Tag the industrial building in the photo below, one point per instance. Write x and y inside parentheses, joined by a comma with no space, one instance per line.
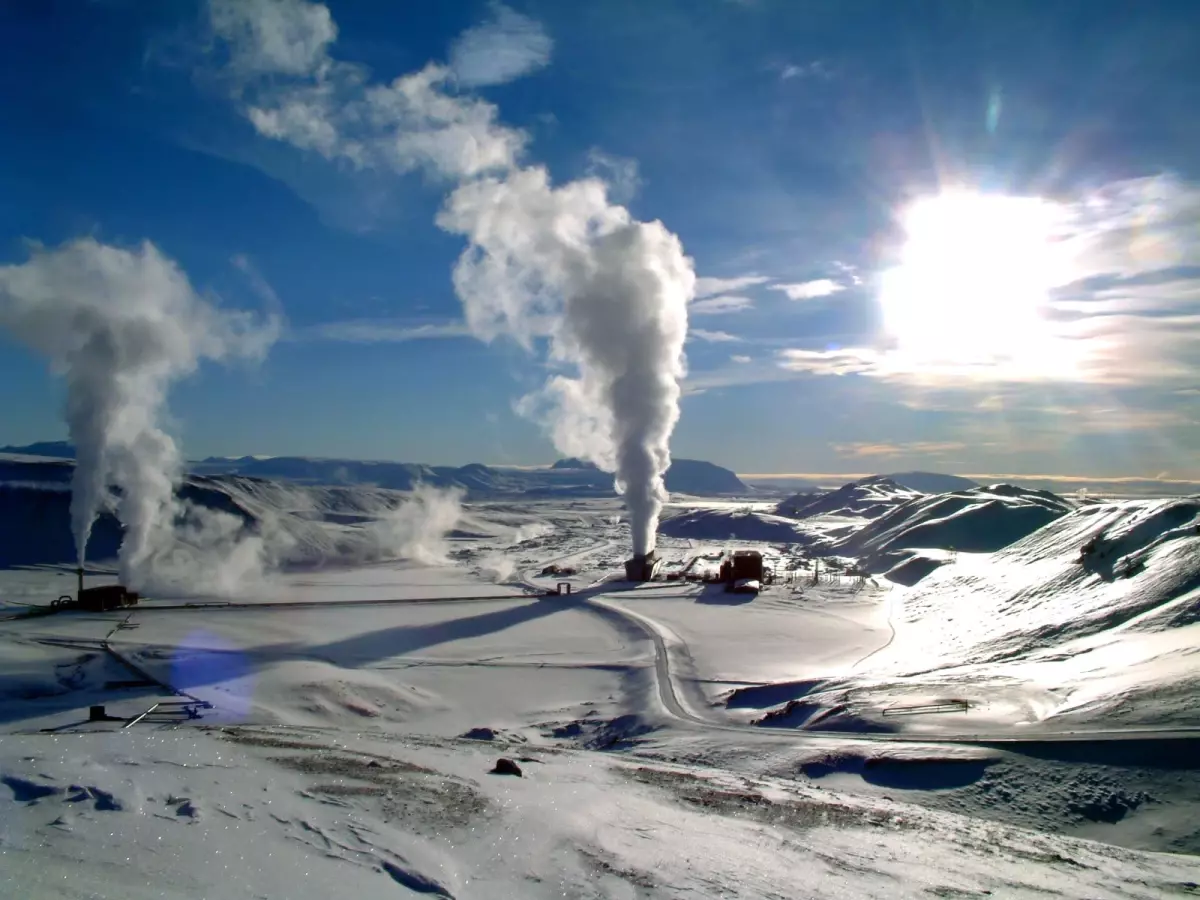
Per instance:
(101,598)
(743,570)
(643,567)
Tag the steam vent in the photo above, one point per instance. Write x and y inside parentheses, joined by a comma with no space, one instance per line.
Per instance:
(643,567)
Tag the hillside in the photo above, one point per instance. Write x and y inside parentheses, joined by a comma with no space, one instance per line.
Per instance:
(866,498)
(932,482)
(694,476)
(742,525)
(1093,617)
(1124,566)
(566,477)
(979,520)
(289,524)
(53,449)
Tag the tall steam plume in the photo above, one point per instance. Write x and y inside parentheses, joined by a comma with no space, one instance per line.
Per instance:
(617,290)
(610,292)
(120,326)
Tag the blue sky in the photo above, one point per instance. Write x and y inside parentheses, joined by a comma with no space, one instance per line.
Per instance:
(784,142)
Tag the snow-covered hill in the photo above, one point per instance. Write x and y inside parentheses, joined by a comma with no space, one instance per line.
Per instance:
(867,498)
(976,520)
(1095,617)
(1128,566)
(881,523)
(741,525)
(932,482)
(300,524)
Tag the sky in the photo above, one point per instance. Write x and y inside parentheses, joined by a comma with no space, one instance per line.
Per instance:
(953,236)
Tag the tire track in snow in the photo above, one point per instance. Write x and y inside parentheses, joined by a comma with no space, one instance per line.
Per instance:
(670,696)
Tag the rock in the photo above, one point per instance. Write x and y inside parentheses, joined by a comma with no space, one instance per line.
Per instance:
(480,734)
(506,767)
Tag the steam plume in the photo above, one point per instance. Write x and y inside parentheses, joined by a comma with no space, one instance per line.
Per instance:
(617,293)
(562,262)
(417,528)
(121,326)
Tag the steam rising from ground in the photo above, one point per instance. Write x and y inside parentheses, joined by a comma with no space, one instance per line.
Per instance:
(121,326)
(563,262)
(498,567)
(417,528)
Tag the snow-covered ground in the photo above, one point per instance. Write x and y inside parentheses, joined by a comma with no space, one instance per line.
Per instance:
(349,717)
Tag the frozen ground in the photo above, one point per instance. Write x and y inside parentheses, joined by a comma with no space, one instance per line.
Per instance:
(353,715)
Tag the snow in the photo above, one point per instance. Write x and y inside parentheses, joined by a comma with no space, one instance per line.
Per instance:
(868,497)
(355,711)
(262,812)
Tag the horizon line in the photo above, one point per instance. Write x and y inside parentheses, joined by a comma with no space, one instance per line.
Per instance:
(987,476)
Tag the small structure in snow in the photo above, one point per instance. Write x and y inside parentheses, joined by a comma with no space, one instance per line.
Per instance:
(643,567)
(743,571)
(98,599)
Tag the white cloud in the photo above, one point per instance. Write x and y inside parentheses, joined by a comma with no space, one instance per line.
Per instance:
(815,69)
(913,448)
(741,371)
(844,361)
(618,172)
(378,331)
(288,37)
(809,290)
(1131,317)
(707,287)
(258,283)
(291,90)
(715,305)
(712,337)
(500,50)
(1134,226)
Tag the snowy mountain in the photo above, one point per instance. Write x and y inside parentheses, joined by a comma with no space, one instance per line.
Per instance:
(566,477)
(54,449)
(685,476)
(867,498)
(742,525)
(1093,618)
(978,520)
(1125,566)
(881,523)
(932,482)
(307,524)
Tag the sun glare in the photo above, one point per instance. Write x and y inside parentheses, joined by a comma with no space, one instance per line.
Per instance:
(975,273)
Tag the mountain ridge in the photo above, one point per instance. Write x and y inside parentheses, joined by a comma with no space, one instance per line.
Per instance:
(566,477)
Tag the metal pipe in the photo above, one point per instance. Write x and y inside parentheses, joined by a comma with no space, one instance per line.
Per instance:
(139,718)
(79,591)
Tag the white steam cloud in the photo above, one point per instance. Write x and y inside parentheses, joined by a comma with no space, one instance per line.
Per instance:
(121,326)
(616,291)
(498,567)
(561,262)
(417,528)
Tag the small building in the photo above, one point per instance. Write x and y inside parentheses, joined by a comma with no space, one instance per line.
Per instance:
(643,567)
(106,597)
(744,570)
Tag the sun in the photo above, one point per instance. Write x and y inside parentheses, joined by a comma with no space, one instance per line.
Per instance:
(974,277)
